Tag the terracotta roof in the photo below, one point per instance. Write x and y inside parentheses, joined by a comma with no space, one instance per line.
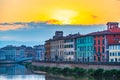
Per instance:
(105,32)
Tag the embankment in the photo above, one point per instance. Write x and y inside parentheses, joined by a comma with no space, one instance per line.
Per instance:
(73,65)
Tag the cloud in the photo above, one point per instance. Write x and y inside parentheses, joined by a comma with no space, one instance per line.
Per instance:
(53,21)
(11,27)
(94,16)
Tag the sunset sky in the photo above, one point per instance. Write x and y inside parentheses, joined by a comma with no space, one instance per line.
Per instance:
(60,11)
(31,22)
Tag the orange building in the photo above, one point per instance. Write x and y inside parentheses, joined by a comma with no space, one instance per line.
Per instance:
(47,50)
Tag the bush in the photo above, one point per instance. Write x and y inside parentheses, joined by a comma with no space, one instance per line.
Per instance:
(107,73)
(55,70)
(79,71)
(75,69)
(118,73)
(67,70)
(98,72)
(114,72)
(90,72)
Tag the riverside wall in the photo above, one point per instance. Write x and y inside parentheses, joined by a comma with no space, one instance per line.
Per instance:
(72,65)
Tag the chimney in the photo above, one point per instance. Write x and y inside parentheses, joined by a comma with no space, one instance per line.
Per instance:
(112,25)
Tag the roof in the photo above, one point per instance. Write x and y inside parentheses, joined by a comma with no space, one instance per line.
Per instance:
(112,23)
(105,32)
(72,36)
(115,44)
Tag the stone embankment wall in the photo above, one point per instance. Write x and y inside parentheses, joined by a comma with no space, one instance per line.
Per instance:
(72,65)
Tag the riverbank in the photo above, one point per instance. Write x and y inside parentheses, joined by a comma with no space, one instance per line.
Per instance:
(79,65)
(113,73)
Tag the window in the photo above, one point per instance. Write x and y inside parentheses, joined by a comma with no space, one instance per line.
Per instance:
(94,42)
(118,46)
(98,41)
(98,49)
(112,60)
(103,41)
(91,48)
(114,35)
(113,54)
(94,50)
(103,58)
(118,59)
(110,54)
(103,36)
(71,46)
(87,48)
(103,50)
(118,53)
(94,58)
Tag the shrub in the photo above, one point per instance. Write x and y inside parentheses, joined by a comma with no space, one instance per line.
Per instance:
(90,72)
(66,70)
(98,72)
(55,70)
(107,73)
(79,71)
(118,73)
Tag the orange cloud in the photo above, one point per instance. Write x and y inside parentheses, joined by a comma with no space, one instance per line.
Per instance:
(10,27)
(53,22)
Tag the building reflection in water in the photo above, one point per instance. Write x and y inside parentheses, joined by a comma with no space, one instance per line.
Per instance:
(23,77)
(17,72)
(13,69)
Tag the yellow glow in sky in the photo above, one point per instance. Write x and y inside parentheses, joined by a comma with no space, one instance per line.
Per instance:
(64,16)
(60,11)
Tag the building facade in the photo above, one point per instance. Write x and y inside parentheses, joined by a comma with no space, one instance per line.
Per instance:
(40,52)
(85,49)
(114,53)
(92,47)
(47,50)
(57,50)
(100,48)
(12,53)
(57,47)
(69,47)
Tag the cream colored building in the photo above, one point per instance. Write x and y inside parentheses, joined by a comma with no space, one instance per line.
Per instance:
(57,47)
(57,50)
(114,53)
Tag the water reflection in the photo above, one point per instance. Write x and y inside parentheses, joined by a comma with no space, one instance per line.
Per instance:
(19,72)
(23,77)
(13,69)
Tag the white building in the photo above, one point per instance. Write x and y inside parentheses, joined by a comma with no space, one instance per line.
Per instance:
(69,47)
(114,53)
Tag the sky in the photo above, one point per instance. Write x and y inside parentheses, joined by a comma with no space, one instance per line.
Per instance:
(60,11)
(37,33)
(31,22)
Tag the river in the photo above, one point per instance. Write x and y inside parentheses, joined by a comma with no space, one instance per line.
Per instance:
(19,72)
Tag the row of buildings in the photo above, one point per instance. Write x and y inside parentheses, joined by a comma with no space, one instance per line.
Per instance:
(102,46)
(13,53)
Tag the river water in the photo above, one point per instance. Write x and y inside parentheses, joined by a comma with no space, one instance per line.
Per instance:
(19,72)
